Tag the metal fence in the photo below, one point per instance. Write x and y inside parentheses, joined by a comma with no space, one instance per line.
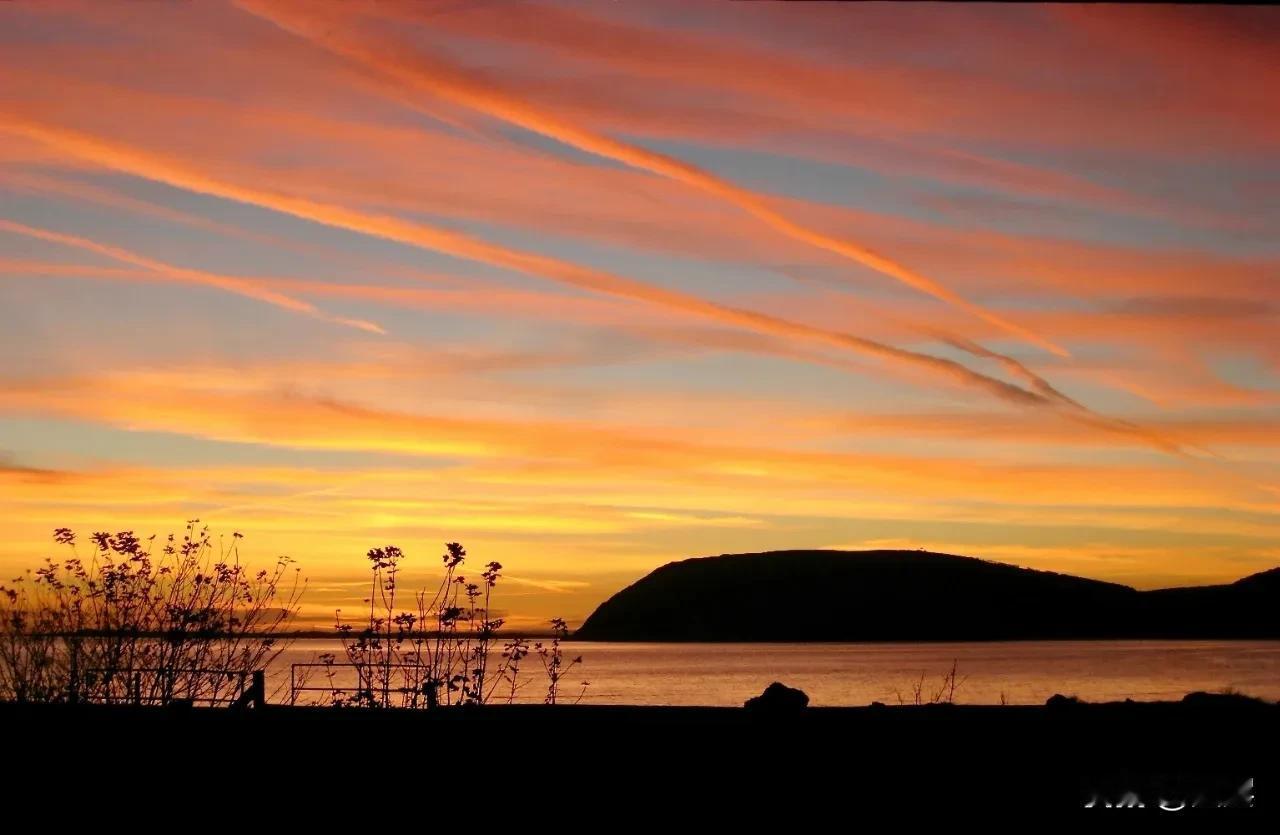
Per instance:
(301,683)
(244,687)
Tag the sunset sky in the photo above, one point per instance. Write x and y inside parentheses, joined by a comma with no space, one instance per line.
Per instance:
(594,286)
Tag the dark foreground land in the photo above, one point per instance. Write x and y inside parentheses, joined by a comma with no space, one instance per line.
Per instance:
(1196,755)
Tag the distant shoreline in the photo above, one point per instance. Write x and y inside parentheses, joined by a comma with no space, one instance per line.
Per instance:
(312,635)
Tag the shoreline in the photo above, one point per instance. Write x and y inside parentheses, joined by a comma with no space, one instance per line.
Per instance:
(1058,706)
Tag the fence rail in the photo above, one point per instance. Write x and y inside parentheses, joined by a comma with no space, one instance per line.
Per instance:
(250,686)
(300,684)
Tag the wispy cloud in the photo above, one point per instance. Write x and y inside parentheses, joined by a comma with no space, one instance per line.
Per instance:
(631,261)
(231,284)
(436,76)
(433,238)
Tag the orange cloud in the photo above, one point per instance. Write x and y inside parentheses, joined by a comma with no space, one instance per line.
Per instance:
(492,184)
(243,413)
(779,84)
(436,76)
(416,234)
(597,431)
(43,184)
(856,69)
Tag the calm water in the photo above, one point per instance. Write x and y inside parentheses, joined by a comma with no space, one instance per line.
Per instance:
(858,674)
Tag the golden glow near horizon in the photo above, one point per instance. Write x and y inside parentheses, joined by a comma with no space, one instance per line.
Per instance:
(591,287)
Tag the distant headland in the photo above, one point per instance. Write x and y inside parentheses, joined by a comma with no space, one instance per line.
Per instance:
(915,596)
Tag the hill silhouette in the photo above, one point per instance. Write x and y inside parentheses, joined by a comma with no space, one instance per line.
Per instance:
(915,596)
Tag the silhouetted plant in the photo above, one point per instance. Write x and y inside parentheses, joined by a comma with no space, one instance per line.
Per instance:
(945,693)
(131,626)
(400,660)
(514,652)
(553,662)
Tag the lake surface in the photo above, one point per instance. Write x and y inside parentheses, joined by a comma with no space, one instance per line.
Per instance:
(858,674)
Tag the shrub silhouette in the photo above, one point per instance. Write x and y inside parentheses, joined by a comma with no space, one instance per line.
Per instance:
(191,623)
(128,625)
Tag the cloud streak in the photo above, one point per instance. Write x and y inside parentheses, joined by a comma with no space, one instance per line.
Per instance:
(440,78)
(598,359)
(246,412)
(140,163)
(231,284)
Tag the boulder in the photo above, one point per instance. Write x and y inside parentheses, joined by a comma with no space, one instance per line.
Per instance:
(778,698)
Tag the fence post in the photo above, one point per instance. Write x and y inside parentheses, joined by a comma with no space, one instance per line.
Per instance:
(259,688)
(73,685)
(255,694)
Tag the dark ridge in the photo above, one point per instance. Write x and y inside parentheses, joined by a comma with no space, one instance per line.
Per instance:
(915,596)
